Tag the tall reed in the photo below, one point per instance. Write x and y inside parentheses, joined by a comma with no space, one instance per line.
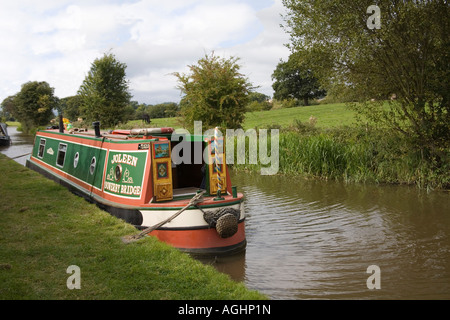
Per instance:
(356,155)
(324,156)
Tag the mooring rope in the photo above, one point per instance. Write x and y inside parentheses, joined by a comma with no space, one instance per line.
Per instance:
(23,155)
(193,202)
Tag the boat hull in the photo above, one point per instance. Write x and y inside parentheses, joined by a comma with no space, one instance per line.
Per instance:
(191,233)
(5,141)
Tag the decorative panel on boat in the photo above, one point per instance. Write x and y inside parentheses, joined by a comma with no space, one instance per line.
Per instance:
(217,172)
(124,173)
(162,170)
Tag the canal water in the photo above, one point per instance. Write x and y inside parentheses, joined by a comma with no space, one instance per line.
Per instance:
(21,145)
(311,239)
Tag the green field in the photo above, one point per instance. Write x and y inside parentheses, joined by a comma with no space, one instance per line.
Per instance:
(327,115)
(44,229)
(13,123)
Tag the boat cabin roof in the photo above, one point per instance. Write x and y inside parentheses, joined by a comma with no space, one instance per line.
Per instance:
(130,135)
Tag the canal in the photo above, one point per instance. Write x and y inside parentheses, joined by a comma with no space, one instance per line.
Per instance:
(312,239)
(21,145)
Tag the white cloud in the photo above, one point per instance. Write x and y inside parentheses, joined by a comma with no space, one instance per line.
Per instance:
(57,40)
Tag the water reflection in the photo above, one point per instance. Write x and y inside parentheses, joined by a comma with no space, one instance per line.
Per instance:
(233,265)
(21,145)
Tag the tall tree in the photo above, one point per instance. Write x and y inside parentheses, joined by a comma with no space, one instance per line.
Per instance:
(105,92)
(34,104)
(215,92)
(70,107)
(294,81)
(8,108)
(396,47)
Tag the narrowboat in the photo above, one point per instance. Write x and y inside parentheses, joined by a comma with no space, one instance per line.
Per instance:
(5,139)
(133,175)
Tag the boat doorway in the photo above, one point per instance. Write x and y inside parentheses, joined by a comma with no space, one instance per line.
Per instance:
(188,176)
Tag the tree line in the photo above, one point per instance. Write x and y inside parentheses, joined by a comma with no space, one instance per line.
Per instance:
(103,96)
(217,94)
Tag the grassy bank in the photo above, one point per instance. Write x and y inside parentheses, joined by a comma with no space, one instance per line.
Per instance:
(45,229)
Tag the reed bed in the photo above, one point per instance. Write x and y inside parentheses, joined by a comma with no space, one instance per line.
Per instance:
(354,155)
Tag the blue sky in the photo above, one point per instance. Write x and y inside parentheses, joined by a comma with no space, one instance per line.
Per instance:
(57,40)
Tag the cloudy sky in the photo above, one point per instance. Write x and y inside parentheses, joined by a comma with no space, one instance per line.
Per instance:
(57,40)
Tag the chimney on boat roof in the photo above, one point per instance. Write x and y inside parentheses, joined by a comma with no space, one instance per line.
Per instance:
(96,125)
(61,124)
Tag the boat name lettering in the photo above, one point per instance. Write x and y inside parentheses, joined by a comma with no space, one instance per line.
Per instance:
(125,158)
(123,189)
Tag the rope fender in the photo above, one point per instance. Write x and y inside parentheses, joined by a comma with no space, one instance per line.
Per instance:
(225,221)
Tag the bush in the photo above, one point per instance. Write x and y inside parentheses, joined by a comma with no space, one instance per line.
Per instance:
(258,106)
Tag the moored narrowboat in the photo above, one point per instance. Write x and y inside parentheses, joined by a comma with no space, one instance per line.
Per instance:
(133,175)
(5,139)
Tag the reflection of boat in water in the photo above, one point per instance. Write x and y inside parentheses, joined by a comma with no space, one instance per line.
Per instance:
(131,174)
(5,139)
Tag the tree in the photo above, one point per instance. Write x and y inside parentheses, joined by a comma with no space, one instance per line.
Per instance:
(34,104)
(70,107)
(258,102)
(104,92)
(215,92)
(8,108)
(258,97)
(406,55)
(163,110)
(293,81)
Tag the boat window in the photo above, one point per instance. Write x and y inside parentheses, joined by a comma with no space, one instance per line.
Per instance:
(75,160)
(118,172)
(61,154)
(41,148)
(92,167)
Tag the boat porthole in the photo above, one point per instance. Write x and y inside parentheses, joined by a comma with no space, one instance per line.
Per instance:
(118,172)
(75,160)
(92,167)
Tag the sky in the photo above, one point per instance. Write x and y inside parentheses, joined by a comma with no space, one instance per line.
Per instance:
(58,40)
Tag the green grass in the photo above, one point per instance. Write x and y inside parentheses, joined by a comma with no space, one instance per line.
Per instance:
(13,123)
(44,229)
(327,115)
